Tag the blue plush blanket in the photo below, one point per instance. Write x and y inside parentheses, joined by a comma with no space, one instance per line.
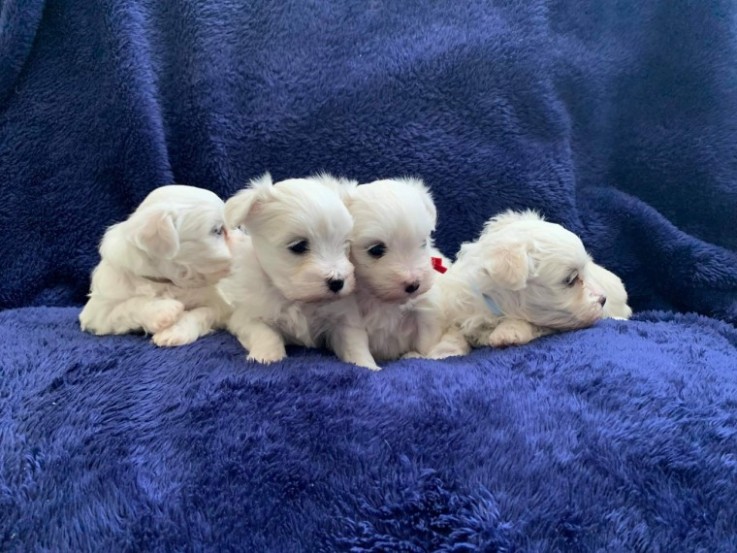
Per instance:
(616,119)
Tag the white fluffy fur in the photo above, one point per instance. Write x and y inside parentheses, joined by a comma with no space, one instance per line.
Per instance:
(159,269)
(279,296)
(539,276)
(399,305)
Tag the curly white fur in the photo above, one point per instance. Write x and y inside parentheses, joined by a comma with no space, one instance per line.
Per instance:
(159,269)
(292,281)
(391,247)
(524,278)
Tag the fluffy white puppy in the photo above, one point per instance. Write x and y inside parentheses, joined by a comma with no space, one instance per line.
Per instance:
(391,249)
(292,281)
(159,269)
(524,278)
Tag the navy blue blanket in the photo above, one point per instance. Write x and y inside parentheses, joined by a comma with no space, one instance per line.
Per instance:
(622,437)
(616,119)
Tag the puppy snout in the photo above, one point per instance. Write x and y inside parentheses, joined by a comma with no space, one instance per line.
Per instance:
(412,287)
(602,300)
(335,284)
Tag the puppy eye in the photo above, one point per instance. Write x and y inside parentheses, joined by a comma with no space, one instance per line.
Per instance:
(218,230)
(424,244)
(300,247)
(377,250)
(572,279)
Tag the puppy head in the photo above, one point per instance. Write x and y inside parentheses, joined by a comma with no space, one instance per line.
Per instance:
(300,230)
(391,239)
(177,233)
(538,272)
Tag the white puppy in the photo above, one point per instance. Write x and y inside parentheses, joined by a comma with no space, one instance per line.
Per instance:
(159,269)
(391,249)
(524,278)
(292,280)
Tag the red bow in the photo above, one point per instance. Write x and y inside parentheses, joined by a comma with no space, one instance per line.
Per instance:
(437,264)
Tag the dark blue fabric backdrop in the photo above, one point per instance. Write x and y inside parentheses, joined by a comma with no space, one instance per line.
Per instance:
(615,118)
(596,113)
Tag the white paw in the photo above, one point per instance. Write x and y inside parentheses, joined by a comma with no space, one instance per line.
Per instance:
(266,356)
(371,367)
(412,355)
(447,350)
(175,336)
(508,336)
(167,313)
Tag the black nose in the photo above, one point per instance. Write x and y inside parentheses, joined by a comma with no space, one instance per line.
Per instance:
(602,300)
(412,287)
(335,285)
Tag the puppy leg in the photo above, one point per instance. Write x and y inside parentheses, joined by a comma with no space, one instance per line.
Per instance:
(451,344)
(139,313)
(511,332)
(264,344)
(429,332)
(351,345)
(190,326)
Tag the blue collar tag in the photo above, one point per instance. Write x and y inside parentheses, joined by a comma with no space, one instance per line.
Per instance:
(491,305)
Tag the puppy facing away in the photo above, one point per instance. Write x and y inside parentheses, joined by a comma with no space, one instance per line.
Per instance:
(524,278)
(159,269)
(292,281)
(391,249)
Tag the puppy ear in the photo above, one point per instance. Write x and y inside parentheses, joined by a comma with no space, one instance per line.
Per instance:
(426,196)
(344,187)
(154,231)
(508,265)
(239,207)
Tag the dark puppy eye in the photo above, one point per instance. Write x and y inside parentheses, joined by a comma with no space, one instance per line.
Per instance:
(572,279)
(377,250)
(218,230)
(300,247)
(424,244)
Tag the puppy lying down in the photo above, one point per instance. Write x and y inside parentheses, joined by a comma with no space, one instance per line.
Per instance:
(522,279)
(292,281)
(159,269)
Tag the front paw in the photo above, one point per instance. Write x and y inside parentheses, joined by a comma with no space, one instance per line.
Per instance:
(174,336)
(167,313)
(447,350)
(504,336)
(369,366)
(266,356)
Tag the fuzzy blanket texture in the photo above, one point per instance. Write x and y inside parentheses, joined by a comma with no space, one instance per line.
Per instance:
(615,119)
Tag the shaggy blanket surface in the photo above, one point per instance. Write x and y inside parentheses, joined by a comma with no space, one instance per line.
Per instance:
(621,437)
(616,119)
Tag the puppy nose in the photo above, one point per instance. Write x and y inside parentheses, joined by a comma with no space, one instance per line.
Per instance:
(602,300)
(335,285)
(411,288)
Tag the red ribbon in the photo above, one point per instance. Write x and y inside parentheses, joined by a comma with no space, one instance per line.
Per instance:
(437,264)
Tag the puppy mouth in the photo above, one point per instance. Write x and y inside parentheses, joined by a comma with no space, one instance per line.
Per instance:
(398,295)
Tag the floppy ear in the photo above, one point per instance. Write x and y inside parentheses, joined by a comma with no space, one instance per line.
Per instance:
(240,206)
(508,265)
(154,231)
(427,200)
